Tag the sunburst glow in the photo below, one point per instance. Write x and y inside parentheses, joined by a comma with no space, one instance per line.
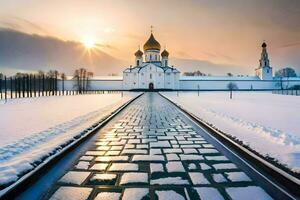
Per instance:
(89,43)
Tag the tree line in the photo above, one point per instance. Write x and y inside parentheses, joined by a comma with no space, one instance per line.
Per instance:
(43,84)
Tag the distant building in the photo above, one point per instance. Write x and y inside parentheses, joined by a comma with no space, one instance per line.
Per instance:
(151,69)
(264,71)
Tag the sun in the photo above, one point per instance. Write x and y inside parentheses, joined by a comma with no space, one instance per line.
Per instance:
(89,43)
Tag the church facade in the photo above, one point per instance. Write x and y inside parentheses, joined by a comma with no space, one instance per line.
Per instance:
(151,69)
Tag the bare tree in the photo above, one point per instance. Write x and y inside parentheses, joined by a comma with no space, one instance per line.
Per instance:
(82,76)
(232,86)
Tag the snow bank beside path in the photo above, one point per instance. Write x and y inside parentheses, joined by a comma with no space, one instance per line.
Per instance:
(266,122)
(37,128)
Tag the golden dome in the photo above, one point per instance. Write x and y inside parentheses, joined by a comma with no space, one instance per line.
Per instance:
(138,53)
(165,53)
(151,44)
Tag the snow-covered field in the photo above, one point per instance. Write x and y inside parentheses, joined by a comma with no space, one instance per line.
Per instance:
(33,129)
(268,123)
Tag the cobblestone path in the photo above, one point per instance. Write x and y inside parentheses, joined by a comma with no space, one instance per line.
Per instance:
(150,151)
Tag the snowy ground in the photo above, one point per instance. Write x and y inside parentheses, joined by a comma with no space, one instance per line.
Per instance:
(268,123)
(33,129)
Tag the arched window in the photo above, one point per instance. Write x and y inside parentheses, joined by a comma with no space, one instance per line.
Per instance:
(155,57)
(138,63)
(150,76)
(166,63)
(150,57)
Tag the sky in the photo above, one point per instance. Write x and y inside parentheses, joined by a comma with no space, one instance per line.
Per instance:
(212,36)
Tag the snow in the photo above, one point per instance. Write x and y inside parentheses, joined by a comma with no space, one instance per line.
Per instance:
(108,196)
(71,193)
(134,177)
(248,193)
(135,193)
(267,122)
(74,177)
(169,195)
(34,129)
(208,193)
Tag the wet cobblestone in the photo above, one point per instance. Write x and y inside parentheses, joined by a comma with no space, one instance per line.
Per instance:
(152,152)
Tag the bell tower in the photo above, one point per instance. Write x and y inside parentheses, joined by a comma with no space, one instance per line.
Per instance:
(264,71)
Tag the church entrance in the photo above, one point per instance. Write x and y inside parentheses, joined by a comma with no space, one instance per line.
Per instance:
(151,86)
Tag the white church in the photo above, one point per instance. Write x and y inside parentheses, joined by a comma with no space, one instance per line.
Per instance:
(151,69)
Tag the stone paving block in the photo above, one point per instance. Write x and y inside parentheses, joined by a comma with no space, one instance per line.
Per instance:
(108,196)
(111,158)
(124,167)
(135,193)
(74,177)
(209,193)
(160,144)
(99,166)
(171,157)
(198,178)
(103,179)
(175,167)
(169,195)
(134,151)
(71,193)
(156,167)
(134,177)
(152,158)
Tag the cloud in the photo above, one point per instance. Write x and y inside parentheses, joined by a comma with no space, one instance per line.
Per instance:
(24,51)
(290,45)
(22,25)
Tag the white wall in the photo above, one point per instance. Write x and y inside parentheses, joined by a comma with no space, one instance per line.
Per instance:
(95,84)
(186,84)
(242,84)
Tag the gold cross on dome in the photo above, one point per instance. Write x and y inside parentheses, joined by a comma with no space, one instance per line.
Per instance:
(151,28)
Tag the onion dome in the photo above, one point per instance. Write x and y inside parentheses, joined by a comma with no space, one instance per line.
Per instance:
(138,53)
(264,45)
(165,53)
(151,44)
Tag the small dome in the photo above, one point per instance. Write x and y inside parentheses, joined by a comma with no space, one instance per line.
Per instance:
(165,53)
(151,44)
(264,45)
(138,53)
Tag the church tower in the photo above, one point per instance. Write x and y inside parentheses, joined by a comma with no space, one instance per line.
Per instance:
(264,71)
(164,58)
(152,49)
(138,57)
